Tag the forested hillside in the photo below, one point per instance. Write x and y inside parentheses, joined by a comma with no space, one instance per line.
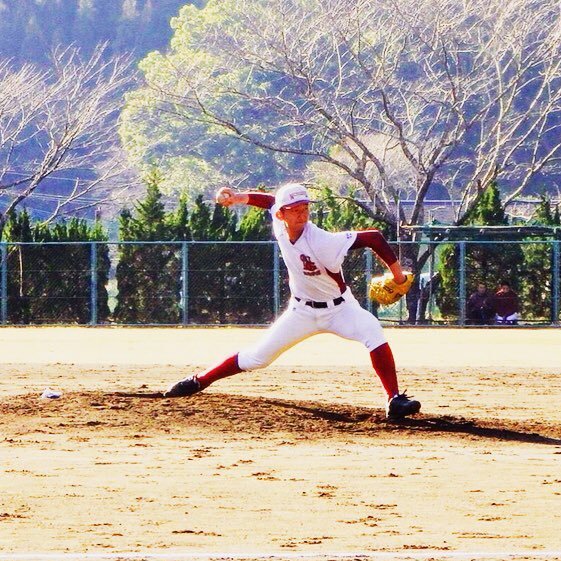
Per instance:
(29,29)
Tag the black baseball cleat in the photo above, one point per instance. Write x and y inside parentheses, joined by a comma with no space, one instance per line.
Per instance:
(183,388)
(401,406)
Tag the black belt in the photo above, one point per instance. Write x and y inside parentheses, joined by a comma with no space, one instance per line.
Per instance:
(313,304)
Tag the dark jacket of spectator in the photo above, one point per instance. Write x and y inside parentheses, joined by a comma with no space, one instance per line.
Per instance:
(480,308)
(505,301)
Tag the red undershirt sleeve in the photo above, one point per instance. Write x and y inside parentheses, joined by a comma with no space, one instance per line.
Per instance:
(261,200)
(377,243)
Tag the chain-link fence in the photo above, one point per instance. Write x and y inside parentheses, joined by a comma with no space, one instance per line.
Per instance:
(246,283)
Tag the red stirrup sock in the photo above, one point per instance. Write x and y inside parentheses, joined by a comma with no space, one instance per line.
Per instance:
(229,367)
(384,364)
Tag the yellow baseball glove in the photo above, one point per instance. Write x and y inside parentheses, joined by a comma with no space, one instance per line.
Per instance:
(386,291)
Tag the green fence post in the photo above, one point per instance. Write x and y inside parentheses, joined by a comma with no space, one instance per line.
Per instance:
(93,283)
(4,283)
(462,287)
(404,299)
(368,256)
(432,249)
(276,277)
(555,280)
(185,282)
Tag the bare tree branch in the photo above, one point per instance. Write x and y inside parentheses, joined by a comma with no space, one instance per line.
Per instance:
(61,122)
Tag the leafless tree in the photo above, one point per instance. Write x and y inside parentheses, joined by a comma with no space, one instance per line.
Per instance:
(62,123)
(401,96)
(467,92)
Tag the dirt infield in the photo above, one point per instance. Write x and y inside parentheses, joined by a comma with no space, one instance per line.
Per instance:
(295,460)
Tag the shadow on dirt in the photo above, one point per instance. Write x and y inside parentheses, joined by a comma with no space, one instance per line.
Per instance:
(313,420)
(140,395)
(489,428)
(497,429)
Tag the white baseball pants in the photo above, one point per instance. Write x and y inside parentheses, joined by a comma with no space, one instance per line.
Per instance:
(299,321)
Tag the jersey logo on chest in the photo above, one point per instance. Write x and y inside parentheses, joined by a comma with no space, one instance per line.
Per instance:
(310,268)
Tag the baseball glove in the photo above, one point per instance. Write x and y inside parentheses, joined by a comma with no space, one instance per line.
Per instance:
(386,291)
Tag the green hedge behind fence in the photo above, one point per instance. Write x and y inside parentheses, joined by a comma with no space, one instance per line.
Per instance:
(241,283)
(56,283)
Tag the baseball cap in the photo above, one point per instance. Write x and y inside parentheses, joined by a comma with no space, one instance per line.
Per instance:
(291,194)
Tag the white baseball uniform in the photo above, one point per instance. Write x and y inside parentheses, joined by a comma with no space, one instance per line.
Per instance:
(317,303)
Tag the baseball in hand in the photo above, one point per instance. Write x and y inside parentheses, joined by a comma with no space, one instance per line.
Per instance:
(224,197)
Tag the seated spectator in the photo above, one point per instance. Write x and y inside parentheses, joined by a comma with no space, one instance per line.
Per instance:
(505,304)
(480,309)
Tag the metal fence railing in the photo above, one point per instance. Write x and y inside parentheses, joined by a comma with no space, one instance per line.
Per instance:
(245,283)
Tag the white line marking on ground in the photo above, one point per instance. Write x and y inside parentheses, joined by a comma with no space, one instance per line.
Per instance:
(441,555)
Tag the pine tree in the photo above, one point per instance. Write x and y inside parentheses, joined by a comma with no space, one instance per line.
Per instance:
(200,221)
(18,229)
(211,265)
(223,225)
(255,225)
(148,277)
(489,211)
(178,221)
(149,222)
(536,290)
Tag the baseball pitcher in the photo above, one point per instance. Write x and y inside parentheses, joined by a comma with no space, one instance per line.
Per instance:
(321,301)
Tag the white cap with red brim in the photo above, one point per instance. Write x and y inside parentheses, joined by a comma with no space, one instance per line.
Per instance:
(290,195)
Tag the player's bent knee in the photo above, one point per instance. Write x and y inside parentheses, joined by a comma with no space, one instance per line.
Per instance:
(250,361)
(374,339)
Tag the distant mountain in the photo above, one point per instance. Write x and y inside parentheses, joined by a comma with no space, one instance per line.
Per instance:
(30,29)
